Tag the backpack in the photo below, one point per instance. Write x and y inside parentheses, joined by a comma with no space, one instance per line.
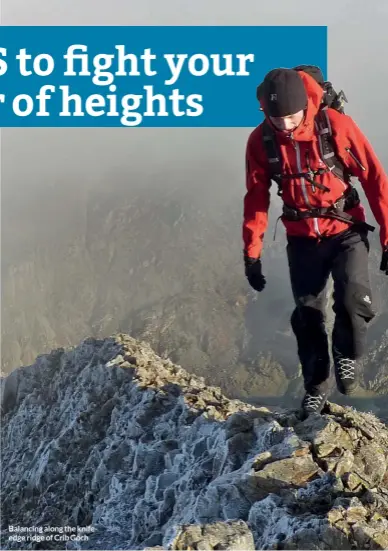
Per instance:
(330,97)
(328,151)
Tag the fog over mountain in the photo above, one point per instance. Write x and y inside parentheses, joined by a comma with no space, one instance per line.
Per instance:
(139,230)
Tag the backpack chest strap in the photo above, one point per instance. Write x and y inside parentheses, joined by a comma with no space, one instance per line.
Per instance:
(327,153)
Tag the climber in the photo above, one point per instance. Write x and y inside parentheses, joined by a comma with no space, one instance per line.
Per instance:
(311,148)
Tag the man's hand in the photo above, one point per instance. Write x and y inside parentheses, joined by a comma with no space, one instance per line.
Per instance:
(254,274)
(384,261)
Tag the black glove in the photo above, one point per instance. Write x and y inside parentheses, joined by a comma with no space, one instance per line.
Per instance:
(384,261)
(253,273)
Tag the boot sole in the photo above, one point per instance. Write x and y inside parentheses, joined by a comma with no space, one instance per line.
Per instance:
(348,391)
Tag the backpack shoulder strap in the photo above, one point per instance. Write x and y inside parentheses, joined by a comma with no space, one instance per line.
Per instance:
(327,149)
(327,145)
(273,154)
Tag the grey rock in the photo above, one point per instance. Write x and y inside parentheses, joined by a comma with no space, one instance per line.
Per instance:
(133,452)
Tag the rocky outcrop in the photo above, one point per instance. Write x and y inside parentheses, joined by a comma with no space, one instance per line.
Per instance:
(109,446)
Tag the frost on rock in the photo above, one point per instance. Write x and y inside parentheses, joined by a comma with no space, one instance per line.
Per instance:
(131,449)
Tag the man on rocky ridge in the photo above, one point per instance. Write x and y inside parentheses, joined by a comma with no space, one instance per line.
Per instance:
(311,150)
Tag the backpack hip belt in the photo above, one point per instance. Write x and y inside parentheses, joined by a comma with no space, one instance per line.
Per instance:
(347,201)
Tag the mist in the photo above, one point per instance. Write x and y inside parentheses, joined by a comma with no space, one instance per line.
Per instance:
(36,161)
(48,174)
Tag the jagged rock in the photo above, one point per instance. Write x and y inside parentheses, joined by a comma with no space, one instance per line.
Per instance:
(220,535)
(370,463)
(131,451)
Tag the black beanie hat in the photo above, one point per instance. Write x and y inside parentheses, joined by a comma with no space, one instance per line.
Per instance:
(283,92)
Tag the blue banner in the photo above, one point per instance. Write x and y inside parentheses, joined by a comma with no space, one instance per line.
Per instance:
(165,76)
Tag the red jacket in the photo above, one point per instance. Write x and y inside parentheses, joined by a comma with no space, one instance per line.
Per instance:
(295,191)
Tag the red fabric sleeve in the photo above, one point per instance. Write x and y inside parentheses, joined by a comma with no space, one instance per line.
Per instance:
(257,197)
(373,179)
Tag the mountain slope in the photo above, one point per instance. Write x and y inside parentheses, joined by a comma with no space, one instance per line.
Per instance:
(166,267)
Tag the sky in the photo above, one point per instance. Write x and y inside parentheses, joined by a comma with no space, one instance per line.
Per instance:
(39,162)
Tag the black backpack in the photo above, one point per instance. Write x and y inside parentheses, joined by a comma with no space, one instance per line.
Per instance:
(330,97)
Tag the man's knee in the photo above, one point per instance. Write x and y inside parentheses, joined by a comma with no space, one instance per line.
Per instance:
(356,301)
(307,319)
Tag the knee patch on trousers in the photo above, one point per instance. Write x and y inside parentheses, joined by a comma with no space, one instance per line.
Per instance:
(358,301)
(305,317)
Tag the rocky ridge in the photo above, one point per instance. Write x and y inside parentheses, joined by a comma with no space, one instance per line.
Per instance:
(133,452)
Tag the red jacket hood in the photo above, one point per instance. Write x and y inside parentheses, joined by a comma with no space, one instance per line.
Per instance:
(305,130)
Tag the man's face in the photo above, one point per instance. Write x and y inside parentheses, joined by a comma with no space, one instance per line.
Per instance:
(288,123)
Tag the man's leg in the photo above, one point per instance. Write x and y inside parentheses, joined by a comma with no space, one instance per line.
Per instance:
(352,306)
(309,273)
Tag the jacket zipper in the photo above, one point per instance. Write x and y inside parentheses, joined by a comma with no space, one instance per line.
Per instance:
(354,158)
(303,181)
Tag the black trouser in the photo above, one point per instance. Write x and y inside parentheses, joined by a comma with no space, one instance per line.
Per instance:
(311,261)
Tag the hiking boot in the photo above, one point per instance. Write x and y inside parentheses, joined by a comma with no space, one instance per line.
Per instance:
(313,402)
(345,374)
